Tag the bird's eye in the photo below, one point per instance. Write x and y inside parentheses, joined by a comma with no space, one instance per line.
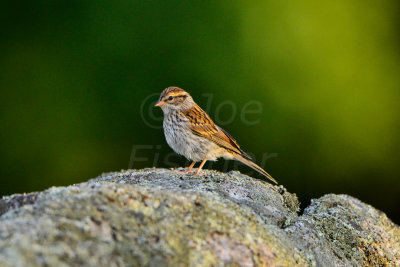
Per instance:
(170,98)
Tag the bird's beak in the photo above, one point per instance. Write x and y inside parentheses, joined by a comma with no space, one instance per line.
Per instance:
(159,104)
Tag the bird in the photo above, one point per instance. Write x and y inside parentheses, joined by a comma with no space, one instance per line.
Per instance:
(190,132)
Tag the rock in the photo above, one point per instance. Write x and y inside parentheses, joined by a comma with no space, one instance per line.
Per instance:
(158,217)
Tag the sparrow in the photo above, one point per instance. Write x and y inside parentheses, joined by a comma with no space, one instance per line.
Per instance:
(190,132)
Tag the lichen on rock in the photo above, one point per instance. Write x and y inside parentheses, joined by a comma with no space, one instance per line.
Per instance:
(158,217)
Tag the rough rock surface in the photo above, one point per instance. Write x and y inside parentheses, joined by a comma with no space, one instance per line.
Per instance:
(158,217)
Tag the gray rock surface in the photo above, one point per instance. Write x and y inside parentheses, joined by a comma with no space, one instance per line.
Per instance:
(158,217)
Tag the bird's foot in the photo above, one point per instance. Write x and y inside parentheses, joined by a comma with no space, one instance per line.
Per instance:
(184,172)
(198,172)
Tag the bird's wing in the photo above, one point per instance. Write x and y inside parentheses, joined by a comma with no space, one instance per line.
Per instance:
(202,125)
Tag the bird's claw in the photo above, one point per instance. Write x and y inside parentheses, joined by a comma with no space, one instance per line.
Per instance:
(184,172)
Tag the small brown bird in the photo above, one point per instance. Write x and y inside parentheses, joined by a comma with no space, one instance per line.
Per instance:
(191,133)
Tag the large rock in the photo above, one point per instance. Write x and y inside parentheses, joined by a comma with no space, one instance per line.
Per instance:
(158,217)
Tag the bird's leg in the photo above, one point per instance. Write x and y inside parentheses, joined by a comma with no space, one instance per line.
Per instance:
(190,167)
(201,166)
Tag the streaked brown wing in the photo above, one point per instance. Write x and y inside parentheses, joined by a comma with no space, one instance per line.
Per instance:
(202,125)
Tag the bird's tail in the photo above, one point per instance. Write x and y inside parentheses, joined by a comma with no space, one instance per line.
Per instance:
(254,166)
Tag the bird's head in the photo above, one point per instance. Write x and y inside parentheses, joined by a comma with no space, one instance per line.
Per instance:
(174,98)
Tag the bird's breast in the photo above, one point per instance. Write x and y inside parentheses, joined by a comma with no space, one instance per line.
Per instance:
(181,139)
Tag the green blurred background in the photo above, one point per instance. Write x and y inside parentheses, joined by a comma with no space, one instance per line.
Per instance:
(78,79)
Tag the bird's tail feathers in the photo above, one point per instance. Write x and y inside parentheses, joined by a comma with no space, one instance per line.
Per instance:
(251,164)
